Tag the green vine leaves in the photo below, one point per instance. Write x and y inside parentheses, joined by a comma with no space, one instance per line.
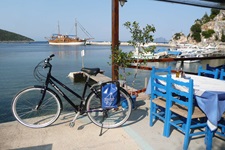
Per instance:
(139,37)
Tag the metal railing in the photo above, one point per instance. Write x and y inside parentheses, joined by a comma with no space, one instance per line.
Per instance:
(171,60)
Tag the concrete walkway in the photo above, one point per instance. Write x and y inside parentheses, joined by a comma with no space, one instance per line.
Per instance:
(136,134)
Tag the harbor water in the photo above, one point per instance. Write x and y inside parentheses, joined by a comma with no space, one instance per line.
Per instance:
(18,60)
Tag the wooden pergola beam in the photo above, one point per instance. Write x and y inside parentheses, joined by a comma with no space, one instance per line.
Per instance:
(115,37)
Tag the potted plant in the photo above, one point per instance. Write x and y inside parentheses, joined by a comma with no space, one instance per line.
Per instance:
(139,38)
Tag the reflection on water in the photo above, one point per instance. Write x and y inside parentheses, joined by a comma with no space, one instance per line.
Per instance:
(189,67)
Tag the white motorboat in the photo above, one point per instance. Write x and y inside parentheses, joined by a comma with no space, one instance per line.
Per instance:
(190,55)
(149,55)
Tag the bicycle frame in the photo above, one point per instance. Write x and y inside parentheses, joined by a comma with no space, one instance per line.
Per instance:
(52,81)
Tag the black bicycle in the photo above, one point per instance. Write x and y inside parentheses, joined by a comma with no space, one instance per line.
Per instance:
(39,106)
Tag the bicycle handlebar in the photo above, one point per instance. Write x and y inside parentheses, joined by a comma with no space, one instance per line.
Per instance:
(52,55)
(46,61)
(49,58)
(38,73)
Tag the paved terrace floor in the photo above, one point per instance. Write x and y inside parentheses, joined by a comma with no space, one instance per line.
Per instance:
(136,134)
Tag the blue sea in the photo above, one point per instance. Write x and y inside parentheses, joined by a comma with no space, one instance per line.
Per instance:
(17,61)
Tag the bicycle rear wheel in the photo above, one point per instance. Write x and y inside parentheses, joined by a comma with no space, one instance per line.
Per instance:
(110,117)
(24,107)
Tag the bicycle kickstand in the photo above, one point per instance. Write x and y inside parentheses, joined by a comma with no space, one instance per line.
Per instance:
(72,123)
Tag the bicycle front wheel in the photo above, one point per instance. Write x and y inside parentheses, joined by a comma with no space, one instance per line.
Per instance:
(26,110)
(110,117)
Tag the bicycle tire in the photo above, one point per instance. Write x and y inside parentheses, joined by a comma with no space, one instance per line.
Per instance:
(115,116)
(24,107)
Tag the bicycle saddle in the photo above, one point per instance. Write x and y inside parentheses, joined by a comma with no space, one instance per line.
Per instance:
(91,71)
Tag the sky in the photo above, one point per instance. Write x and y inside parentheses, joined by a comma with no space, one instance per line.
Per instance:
(38,19)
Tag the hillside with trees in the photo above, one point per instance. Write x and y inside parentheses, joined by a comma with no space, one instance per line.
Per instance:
(6,36)
(208,29)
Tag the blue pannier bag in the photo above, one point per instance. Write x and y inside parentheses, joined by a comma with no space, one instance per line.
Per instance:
(110,94)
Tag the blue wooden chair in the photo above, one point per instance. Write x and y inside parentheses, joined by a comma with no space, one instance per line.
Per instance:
(222,74)
(208,67)
(159,94)
(208,73)
(220,131)
(221,127)
(187,115)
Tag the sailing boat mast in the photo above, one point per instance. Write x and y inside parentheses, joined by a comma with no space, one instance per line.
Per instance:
(58,28)
(76,28)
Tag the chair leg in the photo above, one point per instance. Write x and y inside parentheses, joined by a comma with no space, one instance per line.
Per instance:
(186,140)
(166,128)
(223,130)
(208,138)
(187,134)
(167,125)
(152,117)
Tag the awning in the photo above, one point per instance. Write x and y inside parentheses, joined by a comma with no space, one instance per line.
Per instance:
(217,4)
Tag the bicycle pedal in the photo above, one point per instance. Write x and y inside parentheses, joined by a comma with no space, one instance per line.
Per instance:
(72,124)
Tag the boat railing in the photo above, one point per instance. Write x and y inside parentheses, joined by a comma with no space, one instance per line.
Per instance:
(171,60)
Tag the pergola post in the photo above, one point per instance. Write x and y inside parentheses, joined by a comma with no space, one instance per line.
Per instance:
(115,37)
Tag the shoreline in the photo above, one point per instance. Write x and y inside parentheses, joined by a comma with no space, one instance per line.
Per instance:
(127,44)
(108,43)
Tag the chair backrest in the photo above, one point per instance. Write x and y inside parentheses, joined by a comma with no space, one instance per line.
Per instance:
(208,67)
(184,94)
(159,79)
(208,73)
(222,74)
(162,71)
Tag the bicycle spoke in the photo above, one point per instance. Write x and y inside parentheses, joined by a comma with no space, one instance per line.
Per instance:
(108,118)
(26,111)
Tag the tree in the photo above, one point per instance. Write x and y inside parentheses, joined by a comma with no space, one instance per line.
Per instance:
(207,34)
(214,13)
(177,36)
(196,32)
(123,60)
(205,18)
(139,37)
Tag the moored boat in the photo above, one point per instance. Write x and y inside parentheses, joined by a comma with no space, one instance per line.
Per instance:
(65,40)
(190,55)
(157,54)
(60,39)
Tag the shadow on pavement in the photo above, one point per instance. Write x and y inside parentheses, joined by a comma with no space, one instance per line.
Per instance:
(138,113)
